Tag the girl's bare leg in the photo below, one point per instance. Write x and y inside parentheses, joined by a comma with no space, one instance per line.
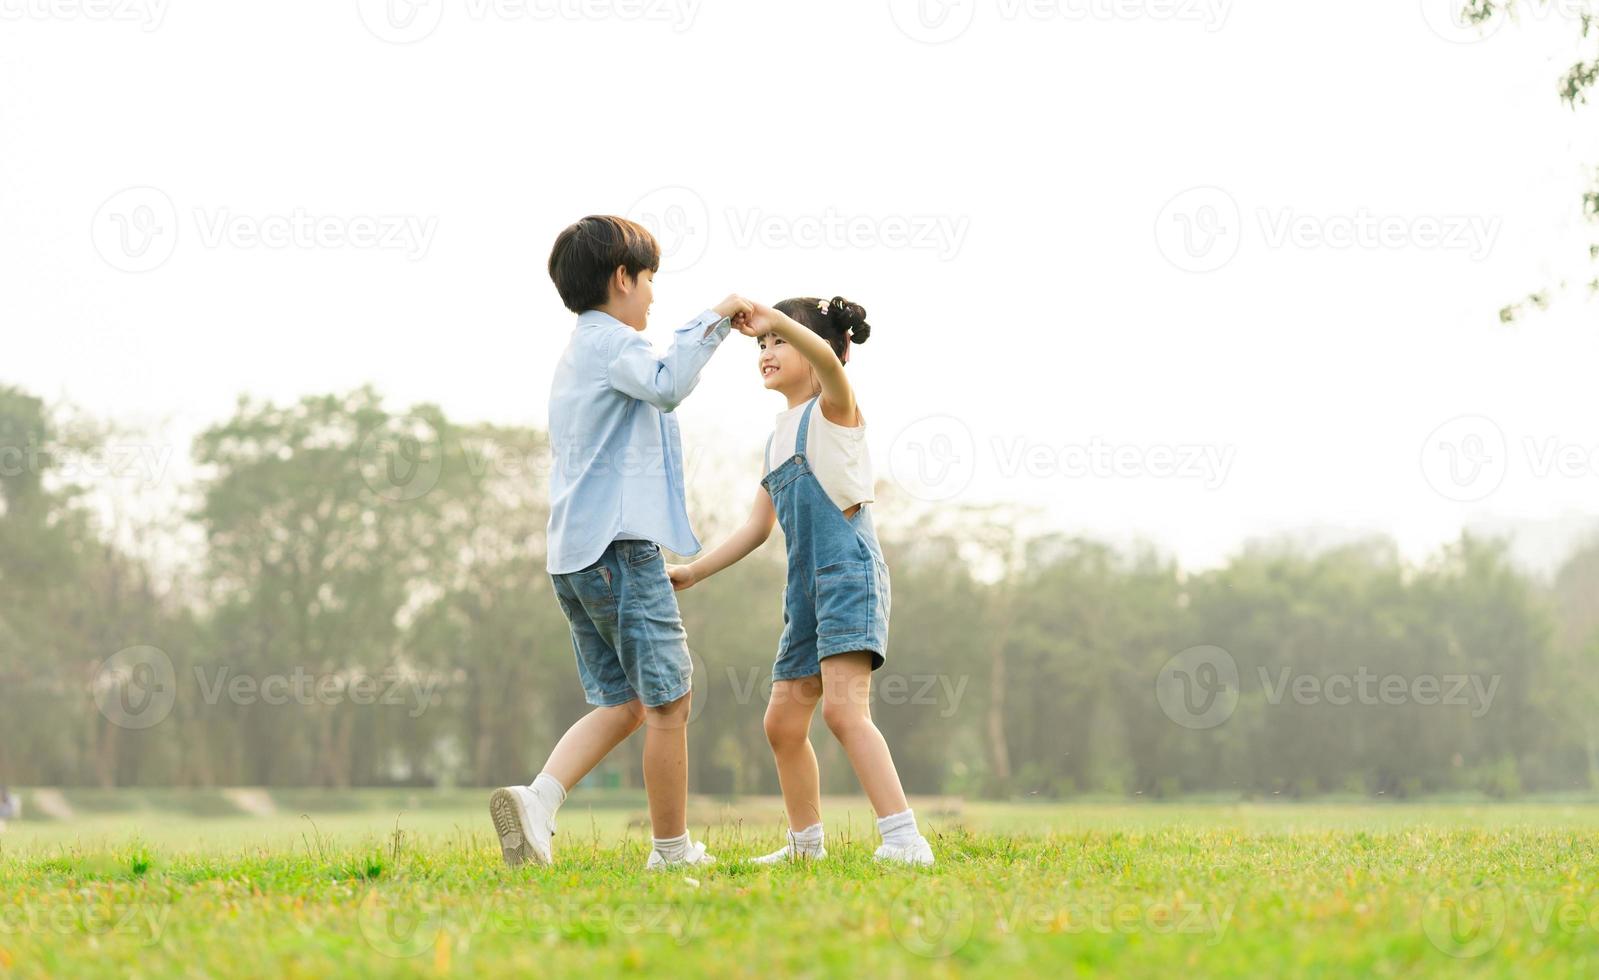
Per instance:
(788,728)
(847,709)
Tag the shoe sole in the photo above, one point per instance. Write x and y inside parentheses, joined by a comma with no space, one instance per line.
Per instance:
(515,847)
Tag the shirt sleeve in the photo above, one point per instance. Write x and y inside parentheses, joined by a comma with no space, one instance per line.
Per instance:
(664,380)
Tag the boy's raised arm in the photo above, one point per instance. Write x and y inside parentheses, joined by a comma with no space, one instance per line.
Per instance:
(664,380)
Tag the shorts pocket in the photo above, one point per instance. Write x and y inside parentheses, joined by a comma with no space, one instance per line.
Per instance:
(643,556)
(844,598)
(594,587)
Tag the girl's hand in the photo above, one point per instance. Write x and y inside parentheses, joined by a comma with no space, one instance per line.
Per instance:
(763,320)
(682,576)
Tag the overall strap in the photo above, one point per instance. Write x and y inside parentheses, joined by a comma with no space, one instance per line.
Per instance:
(805,427)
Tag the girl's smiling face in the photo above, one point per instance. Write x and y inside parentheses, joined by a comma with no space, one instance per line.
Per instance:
(782,368)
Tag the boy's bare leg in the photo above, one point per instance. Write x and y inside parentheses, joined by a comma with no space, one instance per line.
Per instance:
(788,731)
(591,739)
(666,767)
(846,707)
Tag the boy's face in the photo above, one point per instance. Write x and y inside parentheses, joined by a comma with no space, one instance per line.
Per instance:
(632,298)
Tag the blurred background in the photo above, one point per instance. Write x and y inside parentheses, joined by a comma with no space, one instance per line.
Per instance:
(1230,385)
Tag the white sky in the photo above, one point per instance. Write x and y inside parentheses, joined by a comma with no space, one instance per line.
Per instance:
(1039,305)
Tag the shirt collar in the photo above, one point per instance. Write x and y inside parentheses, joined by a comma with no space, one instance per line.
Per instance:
(589,318)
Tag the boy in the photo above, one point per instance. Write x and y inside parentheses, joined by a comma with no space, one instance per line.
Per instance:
(616,489)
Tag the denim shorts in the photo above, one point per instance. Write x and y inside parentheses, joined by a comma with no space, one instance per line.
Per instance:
(626,629)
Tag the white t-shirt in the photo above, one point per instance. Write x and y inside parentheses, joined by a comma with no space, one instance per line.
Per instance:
(837,453)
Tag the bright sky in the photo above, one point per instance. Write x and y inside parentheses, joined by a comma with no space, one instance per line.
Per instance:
(1190,270)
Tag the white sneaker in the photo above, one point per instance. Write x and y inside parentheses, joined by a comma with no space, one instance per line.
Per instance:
(523,824)
(696,856)
(920,853)
(788,852)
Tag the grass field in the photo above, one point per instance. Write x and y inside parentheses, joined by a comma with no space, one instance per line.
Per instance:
(1126,890)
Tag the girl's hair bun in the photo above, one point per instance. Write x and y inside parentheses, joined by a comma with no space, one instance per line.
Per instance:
(849,318)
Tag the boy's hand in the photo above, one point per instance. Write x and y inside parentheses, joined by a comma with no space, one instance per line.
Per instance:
(682,576)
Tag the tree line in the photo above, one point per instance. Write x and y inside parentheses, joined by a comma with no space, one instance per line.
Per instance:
(369,607)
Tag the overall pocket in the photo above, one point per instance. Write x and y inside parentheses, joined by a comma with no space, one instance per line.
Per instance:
(844,598)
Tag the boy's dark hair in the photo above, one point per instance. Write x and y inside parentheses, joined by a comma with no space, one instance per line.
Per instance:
(587,253)
(837,321)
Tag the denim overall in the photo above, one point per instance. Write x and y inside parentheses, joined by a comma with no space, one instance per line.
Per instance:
(837,600)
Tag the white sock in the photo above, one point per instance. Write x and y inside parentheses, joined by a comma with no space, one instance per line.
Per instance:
(898,829)
(807,842)
(672,848)
(549,791)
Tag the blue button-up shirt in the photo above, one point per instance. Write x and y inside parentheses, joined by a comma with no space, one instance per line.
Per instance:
(618,454)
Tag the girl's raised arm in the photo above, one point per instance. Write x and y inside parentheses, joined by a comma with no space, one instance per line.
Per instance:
(838,397)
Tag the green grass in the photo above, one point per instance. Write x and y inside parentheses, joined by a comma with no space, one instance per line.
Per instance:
(1117,890)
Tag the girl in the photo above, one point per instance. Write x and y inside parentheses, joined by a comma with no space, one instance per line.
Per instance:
(835,610)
